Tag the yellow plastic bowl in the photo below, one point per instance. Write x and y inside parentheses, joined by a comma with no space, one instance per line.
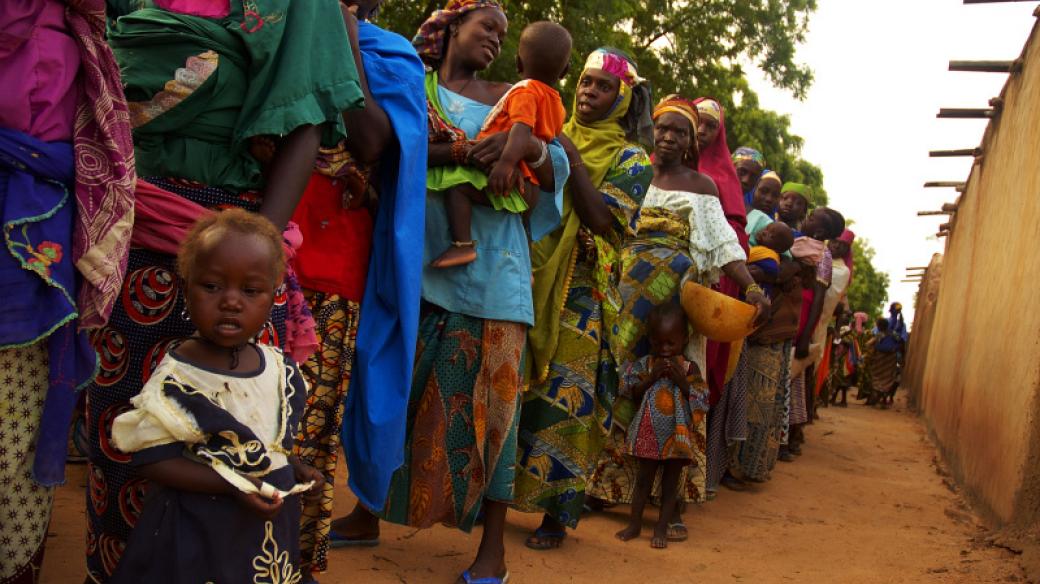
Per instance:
(717,316)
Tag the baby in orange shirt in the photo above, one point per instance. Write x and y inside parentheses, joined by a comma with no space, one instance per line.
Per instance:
(531,107)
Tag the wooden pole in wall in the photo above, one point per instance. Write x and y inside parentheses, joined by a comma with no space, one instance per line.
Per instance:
(954,153)
(964,113)
(986,66)
(958,185)
(991,1)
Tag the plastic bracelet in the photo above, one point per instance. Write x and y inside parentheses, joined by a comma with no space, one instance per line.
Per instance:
(541,159)
(267,490)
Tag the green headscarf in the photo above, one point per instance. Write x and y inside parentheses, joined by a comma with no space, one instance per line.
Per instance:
(793,187)
(553,256)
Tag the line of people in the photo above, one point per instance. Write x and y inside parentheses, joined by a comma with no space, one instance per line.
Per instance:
(268,231)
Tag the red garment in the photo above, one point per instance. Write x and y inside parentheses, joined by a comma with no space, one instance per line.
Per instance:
(716,162)
(337,242)
(162,219)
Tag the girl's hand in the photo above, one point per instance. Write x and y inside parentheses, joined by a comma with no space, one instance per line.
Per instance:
(306,473)
(264,508)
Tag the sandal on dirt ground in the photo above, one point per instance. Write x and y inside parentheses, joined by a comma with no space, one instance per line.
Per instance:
(544,539)
(469,579)
(677,532)
(341,541)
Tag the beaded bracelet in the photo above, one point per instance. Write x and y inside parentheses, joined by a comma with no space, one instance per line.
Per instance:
(459,151)
(753,288)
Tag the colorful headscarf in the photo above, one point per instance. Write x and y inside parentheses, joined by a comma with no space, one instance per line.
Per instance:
(677,104)
(709,108)
(860,317)
(745,153)
(429,40)
(771,175)
(715,161)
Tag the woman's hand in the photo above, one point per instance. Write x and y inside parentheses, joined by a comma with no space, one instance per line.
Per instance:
(761,301)
(305,473)
(264,508)
(485,153)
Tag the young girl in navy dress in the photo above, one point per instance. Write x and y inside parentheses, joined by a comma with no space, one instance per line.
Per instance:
(213,427)
(661,434)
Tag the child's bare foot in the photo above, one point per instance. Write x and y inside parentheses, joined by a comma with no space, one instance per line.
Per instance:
(659,541)
(629,533)
(455,256)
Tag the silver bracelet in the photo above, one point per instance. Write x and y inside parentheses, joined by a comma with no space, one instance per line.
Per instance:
(541,159)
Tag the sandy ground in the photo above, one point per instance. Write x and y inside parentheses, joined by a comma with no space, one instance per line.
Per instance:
(865,503)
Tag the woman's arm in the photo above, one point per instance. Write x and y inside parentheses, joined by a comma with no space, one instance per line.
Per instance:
(585,196)
(368,129)
(738,272)
(289,172)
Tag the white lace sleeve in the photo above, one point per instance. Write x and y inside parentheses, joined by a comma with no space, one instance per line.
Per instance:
(713,243)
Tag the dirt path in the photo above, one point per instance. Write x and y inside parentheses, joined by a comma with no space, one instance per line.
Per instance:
(864,504)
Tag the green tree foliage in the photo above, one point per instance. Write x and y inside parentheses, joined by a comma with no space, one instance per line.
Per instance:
(869,287)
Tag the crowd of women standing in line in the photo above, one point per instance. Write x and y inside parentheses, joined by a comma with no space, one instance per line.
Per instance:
(543,375)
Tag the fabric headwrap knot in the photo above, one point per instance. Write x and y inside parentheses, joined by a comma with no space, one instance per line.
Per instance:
(429,40)
(615,64)
(745,153)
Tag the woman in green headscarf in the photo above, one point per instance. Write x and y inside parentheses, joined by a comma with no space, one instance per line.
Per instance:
(566,413)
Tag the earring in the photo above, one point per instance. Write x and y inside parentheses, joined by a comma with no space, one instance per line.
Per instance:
(184,312)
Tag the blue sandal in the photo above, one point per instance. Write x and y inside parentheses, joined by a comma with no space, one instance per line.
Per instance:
(468,579)
(338,541)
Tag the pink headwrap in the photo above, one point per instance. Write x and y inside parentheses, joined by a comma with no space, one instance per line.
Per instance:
(716,162)
(861,317)
(848,237)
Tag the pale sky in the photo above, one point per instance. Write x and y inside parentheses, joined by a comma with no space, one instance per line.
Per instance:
(869,118)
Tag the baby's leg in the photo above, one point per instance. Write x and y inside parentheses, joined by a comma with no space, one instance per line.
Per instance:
(459,209)
(644,482)
(669,499)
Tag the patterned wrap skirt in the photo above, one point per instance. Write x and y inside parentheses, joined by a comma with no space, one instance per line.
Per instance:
(757,455)
(463,412)
(25,505)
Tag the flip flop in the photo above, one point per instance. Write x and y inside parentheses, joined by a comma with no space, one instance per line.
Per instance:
(339,541)
(677,532)
(468,579)
(547,540)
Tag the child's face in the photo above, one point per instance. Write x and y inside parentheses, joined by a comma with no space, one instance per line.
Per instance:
(767,196)
(776,236)
(668,337)
(792,207)
(231,289)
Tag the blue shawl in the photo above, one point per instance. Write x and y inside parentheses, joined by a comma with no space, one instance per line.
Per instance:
(38,282)
(374,419)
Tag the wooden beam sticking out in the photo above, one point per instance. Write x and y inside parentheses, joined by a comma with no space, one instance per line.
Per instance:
(991,1)
(987,66)
(950,207)
(930,213)
(959,185)
(912,281)
(953,153)
(963,113)
(922,268)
